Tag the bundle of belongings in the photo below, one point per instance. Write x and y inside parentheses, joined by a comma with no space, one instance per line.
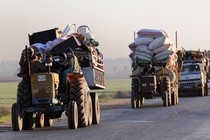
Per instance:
(153,45)
(82,37)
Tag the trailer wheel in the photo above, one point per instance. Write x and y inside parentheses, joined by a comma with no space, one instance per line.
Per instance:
(90,116)
(134,92)
(40,120)
(78,93)
(95,108)
(48,121)
(29,121)
(72,115)
(17,120)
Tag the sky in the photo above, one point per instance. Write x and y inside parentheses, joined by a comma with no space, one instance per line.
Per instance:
(113,22)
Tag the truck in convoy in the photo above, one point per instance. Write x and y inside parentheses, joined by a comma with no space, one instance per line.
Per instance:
(154,46)
(194,76)
(66,87)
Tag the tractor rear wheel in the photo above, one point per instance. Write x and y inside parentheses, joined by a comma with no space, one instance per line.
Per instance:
(134,92)
(79,93)
(72,115)
(90,116)
(17,120)
(166,91)
(23,94)
(165,98)
(95,108)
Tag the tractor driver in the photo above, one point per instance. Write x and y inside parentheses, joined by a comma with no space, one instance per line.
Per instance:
(149,69)
(37,66)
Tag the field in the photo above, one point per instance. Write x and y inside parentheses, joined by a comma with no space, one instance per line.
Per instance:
(8,93)
(114,85)
(115,88)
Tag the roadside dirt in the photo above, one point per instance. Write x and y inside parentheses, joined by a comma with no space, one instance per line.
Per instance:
(113,103)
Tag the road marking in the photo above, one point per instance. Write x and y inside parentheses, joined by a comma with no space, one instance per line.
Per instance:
(131,121)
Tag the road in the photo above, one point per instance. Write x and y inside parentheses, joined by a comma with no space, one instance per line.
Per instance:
(189,120)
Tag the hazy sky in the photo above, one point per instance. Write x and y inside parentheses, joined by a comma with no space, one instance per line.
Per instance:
(112,21)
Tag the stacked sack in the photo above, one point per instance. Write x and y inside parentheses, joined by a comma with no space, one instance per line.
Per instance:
(153,45)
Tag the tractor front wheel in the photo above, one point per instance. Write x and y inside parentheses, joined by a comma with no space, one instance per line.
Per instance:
(17,120)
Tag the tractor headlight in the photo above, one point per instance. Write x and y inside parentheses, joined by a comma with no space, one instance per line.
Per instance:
(151,84)
(34,90)
(144,85)
(49,89)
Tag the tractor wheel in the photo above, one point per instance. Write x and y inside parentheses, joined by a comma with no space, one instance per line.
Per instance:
(202,91)
(166,91)
(48,121)
(142,100)
(134,92)
(206,90)
(17,120)
(23,94)
(72,115)
(28,121)
(138,104)
(40,120)
(95,108)
(175,96)
(169,98)
(165,98)
(78,93)
(90,116)
(133,100)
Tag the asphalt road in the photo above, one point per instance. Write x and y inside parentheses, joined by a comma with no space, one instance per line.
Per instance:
(189,120)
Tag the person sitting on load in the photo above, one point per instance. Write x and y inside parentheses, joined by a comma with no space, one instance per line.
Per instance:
(72,64)
(149,69)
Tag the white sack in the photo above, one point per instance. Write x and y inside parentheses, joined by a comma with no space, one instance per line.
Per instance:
(131,55)
(143,41)
(138,48)
(161,48)
(132,46)
(144,49)
(141,57)
(163,54)
(151,33)
(143,54)
(158,42)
